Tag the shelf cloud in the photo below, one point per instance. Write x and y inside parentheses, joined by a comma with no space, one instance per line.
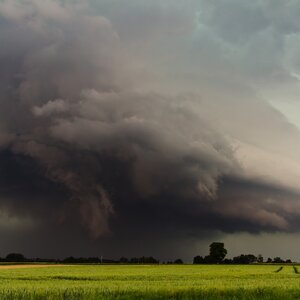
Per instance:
(146,119)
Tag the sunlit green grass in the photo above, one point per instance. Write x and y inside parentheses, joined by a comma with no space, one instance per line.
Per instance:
(151,282)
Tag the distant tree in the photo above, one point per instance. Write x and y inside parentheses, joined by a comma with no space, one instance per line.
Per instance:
(92,260)
(208,259)
(288,261)
(217,252)
(278,260)
(134,260)
(69,260)
(124,260)
(82,260)
(260,258)
(198,260)
(269,260)
(178,261)
(15,257)
(144,260)
(245,259)
(227,261)
(148,260)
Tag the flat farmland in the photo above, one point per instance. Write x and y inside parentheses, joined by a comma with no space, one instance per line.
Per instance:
(149,282)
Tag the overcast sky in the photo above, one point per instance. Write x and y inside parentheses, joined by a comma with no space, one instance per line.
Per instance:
(147,127)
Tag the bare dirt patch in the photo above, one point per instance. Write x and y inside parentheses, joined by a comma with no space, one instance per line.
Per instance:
(28,266)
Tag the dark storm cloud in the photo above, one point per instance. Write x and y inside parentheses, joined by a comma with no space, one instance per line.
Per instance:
(91,138)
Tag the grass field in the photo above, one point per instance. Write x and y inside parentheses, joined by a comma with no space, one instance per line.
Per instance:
(151,282)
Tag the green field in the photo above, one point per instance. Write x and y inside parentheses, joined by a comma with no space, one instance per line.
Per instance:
(151,282)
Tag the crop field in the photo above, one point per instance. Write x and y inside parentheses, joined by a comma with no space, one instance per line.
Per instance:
(150,282)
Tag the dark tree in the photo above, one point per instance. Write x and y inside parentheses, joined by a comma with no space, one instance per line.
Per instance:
(134,260)
(198,260)
(260,258)
(227,261)
(269,260)
(208,259)
(144,260)
(178,261)
(245,259)
(82,260)
(278,260)
(15,257)
(288,261)
(124,260)
(217,252)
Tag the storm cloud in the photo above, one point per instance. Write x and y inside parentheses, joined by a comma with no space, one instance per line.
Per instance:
(147,119)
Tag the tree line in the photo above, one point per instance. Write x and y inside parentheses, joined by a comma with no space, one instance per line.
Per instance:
(217,254)
(18,257)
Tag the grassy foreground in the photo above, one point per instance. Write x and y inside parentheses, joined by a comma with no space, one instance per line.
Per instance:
(151,282)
